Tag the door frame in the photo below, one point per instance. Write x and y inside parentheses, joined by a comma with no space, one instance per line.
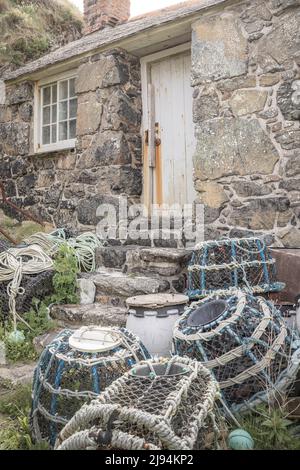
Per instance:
(146,63)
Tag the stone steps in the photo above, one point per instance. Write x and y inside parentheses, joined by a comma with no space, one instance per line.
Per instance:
(95,314)
(114,283)
(118,257)
(143,265)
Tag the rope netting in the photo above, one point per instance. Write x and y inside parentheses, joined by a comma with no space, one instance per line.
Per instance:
(84,246)
(244,341)
(160,404)
(66,378)
(231,264)
(24,270)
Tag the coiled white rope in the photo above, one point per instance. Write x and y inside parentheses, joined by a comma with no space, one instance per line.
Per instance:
(14,263)
(84,246)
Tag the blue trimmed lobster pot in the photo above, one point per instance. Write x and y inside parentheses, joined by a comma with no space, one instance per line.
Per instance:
(230,264)
(244,341)
(74,369)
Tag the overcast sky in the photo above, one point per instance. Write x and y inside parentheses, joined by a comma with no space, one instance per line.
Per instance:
(140,6)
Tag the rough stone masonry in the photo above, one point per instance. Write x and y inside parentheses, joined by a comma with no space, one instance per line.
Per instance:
(246,81)
(67,187)
(246,110)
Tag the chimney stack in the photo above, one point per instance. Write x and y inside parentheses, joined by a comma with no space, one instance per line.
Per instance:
(101,13)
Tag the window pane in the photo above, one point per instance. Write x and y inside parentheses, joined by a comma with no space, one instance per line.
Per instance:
(72,129)
(46,95)
(54,113)
(63,131)
(63,90)
(73,108)
(54,134)
(63,111)
(54,94)
(46,135)
(72,87)
(46,115)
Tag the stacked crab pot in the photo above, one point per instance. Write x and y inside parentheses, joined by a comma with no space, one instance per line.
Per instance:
(244,342)
(74,369)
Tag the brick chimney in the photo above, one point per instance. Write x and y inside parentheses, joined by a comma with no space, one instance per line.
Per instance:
(101,13)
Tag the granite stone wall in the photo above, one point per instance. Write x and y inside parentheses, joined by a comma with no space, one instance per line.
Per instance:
(67,187)
(246,81)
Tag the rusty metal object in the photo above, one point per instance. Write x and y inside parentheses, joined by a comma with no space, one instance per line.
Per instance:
(156,179)
(288,271)
(19,209)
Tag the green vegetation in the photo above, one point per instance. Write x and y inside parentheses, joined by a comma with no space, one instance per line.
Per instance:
(65,279)
(30,28)
(14,419)
(37,320)
(271,429)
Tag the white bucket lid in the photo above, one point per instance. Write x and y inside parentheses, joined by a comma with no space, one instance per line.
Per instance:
(157,300)
(94,339)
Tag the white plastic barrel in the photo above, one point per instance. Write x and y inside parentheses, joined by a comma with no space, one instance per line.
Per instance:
(298,314)
(152,318)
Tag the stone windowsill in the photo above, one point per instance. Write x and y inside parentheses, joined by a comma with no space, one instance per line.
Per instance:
(52,153)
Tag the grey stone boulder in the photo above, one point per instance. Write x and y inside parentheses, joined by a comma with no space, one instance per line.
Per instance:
(17,374)
(233,147)
(161,261)
(114,283)
(87,291)
(95,314)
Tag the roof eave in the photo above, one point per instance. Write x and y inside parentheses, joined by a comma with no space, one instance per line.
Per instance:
(128,36)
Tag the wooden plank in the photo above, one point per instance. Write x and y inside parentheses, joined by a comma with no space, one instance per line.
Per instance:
(151,125)
(173,110)
(151,141)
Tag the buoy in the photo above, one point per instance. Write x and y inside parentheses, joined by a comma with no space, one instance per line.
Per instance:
(239,439)
(16,337)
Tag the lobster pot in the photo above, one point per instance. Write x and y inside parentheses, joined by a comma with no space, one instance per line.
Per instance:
(160,404)
(244,341)
(74,369)
(152,318)
(231,264)
(37,286)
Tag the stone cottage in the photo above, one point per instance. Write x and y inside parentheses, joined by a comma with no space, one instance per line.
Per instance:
(197,102)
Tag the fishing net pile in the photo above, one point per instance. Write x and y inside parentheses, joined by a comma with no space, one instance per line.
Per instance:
(157,405)
(244,341)
(231,264)
(67,377)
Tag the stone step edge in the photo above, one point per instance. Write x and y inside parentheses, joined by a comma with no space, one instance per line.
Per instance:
(92,314)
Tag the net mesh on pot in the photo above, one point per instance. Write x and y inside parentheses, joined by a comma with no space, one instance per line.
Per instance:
(74,369)
(161,404)
(231,264)
(244,341)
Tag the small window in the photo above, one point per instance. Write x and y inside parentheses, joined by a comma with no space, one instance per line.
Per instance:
(57,111)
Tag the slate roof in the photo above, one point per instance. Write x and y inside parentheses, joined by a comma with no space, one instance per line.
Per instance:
(111,36)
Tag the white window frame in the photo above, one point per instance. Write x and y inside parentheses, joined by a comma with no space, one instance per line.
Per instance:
(38,126)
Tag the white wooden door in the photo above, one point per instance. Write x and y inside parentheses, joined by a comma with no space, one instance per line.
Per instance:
(173,172)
